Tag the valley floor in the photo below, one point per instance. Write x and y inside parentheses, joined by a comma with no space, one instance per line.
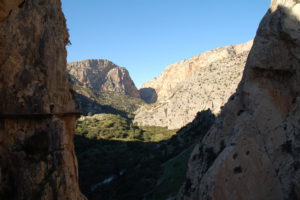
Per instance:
(117,158)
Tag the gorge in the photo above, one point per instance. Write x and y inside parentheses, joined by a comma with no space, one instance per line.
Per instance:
(175,138)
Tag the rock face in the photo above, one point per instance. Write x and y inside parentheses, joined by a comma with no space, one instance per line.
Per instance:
(37,112)
(100,86)
(103,75)
(253,150)
(205,82)
(166,83)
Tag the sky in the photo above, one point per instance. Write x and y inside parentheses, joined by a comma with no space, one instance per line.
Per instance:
(146,36)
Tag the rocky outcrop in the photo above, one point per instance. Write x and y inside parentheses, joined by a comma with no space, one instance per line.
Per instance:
(37,112)
(253,150)
(103,75)
(209,82)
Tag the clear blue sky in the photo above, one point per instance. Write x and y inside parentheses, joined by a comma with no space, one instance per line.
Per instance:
(147,35)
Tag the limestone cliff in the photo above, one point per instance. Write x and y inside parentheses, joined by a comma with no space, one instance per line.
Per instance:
(165,84)
(205,82)
(37,113)
(253,150)
(103,75)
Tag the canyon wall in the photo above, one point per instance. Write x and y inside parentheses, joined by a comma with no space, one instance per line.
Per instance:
(253,150)
(205,82)
(166,84)
(37,112)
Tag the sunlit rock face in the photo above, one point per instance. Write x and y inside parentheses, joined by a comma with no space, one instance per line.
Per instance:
(37,112)
(166,84)
(253,150)
(205,81)
(103,76)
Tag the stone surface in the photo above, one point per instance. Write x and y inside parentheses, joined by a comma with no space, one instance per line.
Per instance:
(253,150)
(37,112)
(103,75)
(205,82)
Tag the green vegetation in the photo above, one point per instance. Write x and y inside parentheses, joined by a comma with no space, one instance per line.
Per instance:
(172,177)
(93,101)
(116,127)
(145,162)
(120,101)
(156,134)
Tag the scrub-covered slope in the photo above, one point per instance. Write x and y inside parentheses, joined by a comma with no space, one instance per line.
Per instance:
(103,87)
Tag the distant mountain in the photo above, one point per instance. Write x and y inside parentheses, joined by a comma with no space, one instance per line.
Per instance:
(103,75)
(205,81)
(101,83)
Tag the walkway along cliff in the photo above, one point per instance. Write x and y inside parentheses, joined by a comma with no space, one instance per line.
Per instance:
(37,113)
(253,150)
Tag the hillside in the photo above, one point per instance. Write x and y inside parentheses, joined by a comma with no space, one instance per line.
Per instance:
(102,75)
(101,86)
(203,82)
(164,86)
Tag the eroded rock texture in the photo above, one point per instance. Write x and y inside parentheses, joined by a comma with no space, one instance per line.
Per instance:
(37,113)
(253,151)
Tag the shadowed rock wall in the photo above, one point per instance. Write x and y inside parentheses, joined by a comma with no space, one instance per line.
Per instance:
(37,112)
(253,150)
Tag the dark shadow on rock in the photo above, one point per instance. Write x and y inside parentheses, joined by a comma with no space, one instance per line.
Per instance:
(136,166)
(149,95)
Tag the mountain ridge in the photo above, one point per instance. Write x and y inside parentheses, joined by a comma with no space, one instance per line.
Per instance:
(182,70)
(103,75)
(100,86)
(207,85)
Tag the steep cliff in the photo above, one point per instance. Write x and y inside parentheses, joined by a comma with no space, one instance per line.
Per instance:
(103,75)
(164,86)
(205,82)
(253,150)
(37,113)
